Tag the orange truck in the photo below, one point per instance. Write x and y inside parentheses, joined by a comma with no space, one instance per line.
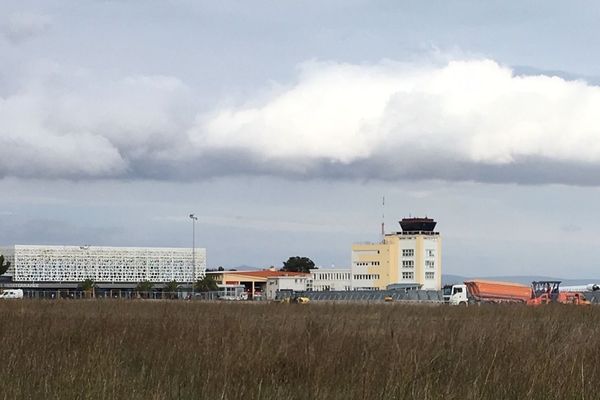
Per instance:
(540,292)
(480,291)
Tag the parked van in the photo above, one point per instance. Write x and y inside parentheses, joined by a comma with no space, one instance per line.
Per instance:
(11,294)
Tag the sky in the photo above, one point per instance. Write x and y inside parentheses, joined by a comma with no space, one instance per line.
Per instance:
(283,124)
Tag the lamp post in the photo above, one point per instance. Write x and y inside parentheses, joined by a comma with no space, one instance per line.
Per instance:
(194,219)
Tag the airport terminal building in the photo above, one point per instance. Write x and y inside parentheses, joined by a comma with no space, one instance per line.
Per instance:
(123,266)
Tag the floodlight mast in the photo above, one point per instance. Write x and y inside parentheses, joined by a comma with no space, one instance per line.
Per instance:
(194,219)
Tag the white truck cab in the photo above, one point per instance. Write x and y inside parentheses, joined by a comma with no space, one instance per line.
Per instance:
(11,294)
(458,296)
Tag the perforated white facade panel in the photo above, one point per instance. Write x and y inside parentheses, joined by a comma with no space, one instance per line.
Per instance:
(104,264)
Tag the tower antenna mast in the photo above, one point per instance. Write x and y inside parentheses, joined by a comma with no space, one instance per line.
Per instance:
(382,219)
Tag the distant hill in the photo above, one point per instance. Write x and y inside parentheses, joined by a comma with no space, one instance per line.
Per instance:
(448,279)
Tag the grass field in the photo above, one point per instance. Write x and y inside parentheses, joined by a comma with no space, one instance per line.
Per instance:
(181,350)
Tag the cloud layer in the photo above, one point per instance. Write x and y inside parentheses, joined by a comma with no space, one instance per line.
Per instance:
(468,119)
(17,27)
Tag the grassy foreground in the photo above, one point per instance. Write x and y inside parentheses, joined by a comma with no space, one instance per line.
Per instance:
(182,350)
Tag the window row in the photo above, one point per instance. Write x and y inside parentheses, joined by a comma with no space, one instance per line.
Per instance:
(329,276)
(366,276)
(366,263)
(411,252)
(326,288)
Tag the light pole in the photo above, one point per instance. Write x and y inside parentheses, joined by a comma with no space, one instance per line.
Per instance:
(194,219)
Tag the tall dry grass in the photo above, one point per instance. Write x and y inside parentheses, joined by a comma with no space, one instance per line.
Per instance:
(179,350)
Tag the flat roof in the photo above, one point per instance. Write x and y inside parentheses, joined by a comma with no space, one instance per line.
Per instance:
(261,273)
(92,247)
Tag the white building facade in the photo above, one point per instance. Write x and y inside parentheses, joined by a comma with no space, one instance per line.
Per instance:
(296,283)
(326,279)
(33,263)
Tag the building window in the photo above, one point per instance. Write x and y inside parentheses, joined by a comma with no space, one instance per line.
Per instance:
(430,253)
(429,275)
(408,264)
(408,275)
(408,252)
(366,276)
(429,264)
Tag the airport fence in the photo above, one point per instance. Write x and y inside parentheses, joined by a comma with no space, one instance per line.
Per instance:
(593,297)
(119,294)
(367,295)
(361,296)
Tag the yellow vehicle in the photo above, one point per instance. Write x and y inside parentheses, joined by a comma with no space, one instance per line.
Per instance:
(295,300)
(302,300)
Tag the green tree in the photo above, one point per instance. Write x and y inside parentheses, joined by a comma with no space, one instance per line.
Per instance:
(144,287)
(171,288)
(89,287)
(298,264)
(206,284)
(3,266)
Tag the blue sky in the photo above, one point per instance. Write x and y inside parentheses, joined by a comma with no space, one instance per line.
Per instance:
(282,124)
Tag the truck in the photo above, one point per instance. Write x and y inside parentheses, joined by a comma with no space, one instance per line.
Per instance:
(11,294)
(540,292)
(482,291)
(447,293)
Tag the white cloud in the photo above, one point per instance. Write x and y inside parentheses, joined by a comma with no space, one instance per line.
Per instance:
(68,123)
(473,111)
(471,119)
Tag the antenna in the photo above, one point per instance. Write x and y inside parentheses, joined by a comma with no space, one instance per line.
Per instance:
(382,219)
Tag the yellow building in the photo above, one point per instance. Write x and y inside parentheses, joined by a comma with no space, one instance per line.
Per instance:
(413,255)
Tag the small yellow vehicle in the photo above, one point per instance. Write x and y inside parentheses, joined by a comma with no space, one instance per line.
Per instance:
(302,300)
(295,300)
